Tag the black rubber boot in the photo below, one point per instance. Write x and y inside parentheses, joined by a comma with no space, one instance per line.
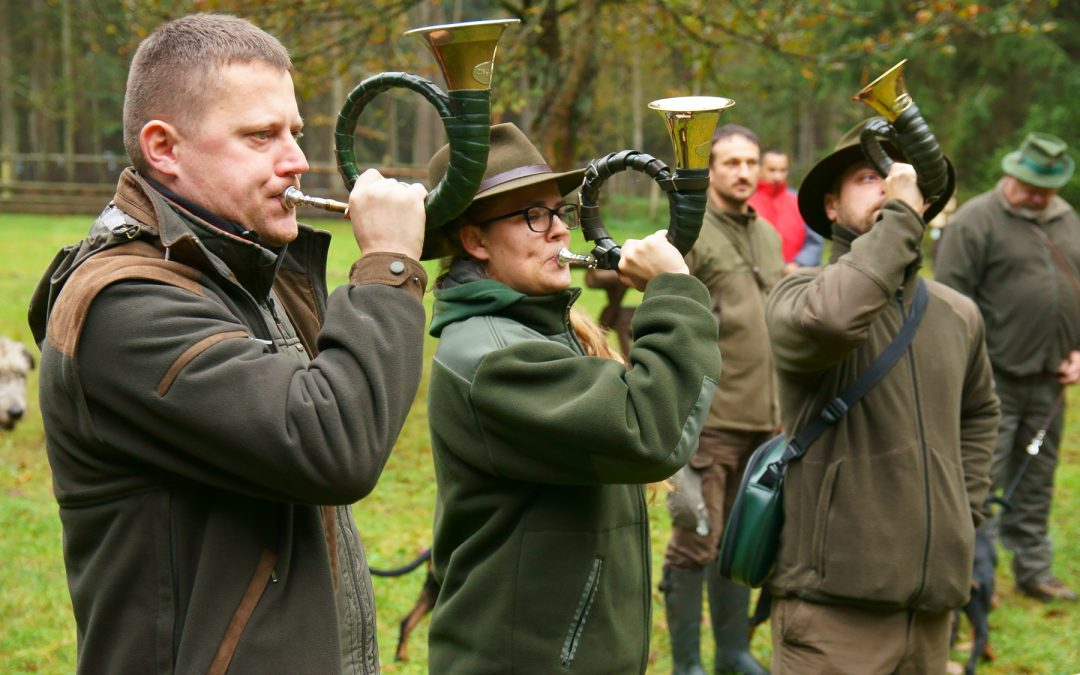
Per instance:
(729,608)
(682,602)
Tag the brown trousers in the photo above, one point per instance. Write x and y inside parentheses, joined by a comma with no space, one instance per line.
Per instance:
(721,460)
(812,638)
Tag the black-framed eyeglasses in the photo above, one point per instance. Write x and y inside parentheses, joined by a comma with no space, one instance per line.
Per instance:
(540,218)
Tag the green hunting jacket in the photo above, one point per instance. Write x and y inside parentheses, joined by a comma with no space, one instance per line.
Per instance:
(737,256)
(1031,305)
(881,511)
(202,399)
(541,539)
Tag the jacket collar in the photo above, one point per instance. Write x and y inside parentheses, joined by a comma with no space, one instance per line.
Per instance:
(729,215)
(842,240)
(547,314)
(190,239)
(1055,209)
(772,190)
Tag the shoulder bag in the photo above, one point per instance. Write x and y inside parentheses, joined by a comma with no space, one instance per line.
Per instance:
(752,532)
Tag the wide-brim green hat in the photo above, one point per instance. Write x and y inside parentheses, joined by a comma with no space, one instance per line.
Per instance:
(819,182)
(513,163)
(1041,161)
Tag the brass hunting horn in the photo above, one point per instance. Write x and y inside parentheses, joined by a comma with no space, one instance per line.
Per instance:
(465,53)
(904,125)
(690,122)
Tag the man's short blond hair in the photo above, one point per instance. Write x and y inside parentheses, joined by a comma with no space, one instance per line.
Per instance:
(174,73)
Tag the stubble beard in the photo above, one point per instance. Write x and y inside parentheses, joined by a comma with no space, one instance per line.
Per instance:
(732,201)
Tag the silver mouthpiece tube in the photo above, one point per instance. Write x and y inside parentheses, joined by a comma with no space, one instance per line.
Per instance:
(291,197)
(567,257)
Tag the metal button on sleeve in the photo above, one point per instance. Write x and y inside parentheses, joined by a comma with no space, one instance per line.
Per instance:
(397,267)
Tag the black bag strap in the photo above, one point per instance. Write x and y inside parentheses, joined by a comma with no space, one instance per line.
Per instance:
(836,408)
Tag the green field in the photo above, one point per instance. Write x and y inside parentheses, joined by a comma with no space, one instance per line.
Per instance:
(37,632)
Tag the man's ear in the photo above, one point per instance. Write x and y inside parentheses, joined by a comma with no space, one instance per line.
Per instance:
(472,240)
(831,210)
(158,141)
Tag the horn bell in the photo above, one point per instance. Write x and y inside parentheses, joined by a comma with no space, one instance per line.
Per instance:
(887,94)
(691,122)
(465,51)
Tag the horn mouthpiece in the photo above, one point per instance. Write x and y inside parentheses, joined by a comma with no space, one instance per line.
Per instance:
(292,197)
(567,257)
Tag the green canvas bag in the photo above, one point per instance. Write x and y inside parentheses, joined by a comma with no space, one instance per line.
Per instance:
(752,531)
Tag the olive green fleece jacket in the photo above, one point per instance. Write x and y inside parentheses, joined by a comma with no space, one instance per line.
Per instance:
(990,253)
(541,539)
(193,433)
(737,257)
(881,511)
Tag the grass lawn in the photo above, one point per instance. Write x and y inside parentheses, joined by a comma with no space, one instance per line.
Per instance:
(37,632)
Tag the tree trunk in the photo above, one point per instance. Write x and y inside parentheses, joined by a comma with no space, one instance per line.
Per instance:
(637,110)
(429,135)
(67,88)
(557,134)
(8,141)
(393,154)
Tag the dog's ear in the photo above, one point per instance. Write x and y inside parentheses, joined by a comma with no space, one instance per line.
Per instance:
(29,356)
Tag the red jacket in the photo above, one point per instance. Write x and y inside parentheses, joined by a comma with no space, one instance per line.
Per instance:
(776,204)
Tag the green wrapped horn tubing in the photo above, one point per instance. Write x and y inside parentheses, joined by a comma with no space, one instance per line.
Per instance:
(466,115)
(686,191)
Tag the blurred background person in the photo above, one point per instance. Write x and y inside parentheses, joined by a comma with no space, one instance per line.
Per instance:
(737,257)
(1015,250)
(779,204)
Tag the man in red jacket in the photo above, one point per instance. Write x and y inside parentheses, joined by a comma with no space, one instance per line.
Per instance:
(777,203)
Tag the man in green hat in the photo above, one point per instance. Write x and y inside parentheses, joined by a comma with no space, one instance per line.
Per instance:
(1016,250)
(880,514)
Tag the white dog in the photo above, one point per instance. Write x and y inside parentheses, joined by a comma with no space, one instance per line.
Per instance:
(16,361)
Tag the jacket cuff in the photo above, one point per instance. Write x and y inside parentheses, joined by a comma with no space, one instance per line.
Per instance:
(685,285)
(391,269)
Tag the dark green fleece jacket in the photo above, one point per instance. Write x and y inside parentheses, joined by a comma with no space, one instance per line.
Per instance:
(881,511)
(193,434)
(541,533)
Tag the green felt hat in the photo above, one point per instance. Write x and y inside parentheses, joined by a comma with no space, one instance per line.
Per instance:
(1041,161)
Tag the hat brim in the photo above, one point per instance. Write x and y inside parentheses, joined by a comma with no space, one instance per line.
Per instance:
(1012,166)
(567,182)
(819,182)
(437,239)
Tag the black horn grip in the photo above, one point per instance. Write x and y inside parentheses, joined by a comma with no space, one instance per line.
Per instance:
(910,133)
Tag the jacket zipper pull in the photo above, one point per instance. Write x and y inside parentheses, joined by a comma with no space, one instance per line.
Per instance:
(273,312)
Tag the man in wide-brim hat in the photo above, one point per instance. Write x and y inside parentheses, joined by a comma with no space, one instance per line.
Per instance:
(880,513)
(1016,250)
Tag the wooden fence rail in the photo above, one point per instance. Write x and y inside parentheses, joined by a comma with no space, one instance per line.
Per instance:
(38,183)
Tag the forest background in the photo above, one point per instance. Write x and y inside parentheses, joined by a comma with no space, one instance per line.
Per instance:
(577,75)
